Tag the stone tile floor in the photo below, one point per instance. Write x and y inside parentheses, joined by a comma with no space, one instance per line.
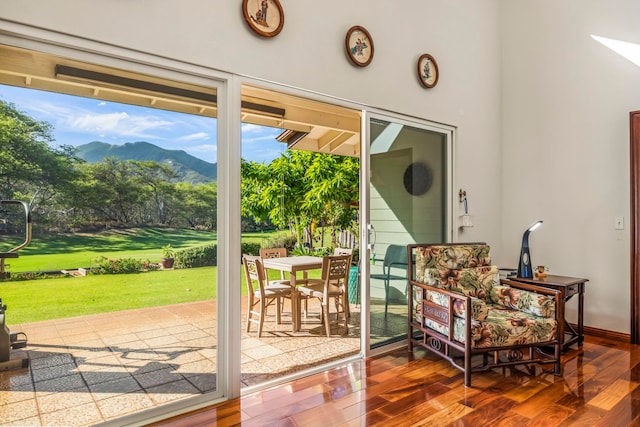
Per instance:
(90,369)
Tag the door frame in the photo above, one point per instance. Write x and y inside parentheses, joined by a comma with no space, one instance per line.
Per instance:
(365,219)
(634,124)
(96,53)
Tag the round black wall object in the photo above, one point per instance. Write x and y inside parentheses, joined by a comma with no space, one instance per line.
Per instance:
(417,179)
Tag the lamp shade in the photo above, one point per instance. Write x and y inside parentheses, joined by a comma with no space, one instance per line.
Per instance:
(524,266)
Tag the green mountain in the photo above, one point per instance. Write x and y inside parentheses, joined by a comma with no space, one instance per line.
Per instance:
(190,168)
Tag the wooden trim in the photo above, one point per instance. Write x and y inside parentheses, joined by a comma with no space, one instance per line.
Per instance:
(435,312)
(634,155)
(604,333)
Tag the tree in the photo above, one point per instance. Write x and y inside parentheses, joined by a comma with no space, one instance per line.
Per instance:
(333,191)
(197,204)
(116,195)
(29,167)
(157,178)
(301,188)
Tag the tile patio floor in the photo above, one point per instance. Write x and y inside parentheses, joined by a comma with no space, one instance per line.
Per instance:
(90,369)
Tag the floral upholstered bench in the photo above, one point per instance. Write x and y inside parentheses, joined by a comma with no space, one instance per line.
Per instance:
(460,308)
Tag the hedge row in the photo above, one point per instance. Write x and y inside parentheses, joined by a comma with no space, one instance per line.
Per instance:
(206,255)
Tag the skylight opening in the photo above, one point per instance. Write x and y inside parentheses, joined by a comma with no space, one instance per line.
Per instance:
(628,50)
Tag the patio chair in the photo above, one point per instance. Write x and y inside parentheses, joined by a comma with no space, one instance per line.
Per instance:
(345,251)
(273,253)
(395,257)
(260,295)
(333,284)
(282,282)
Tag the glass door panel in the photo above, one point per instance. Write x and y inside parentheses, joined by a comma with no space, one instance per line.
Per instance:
(149,332)
(408,190)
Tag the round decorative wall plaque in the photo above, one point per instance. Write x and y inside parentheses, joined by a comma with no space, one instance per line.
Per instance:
(264,17)
(417,179)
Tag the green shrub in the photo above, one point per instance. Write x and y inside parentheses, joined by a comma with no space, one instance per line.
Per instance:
(303,250)
(18,277)
(206,255)
(250,248)
(281,241)
(200,256)
(122,266)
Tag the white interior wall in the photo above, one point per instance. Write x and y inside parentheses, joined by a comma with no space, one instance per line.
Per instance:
(563,97)
(564,101)
(566,104)
(309,54)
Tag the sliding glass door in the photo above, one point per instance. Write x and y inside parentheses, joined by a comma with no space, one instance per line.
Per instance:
(408,202)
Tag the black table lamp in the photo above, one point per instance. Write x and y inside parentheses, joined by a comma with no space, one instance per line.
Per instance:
(524,267)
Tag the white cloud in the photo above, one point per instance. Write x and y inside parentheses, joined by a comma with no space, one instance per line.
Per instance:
(246,127)
(198,136)
(78,120)
(117,123)
(204,148)
(47,110)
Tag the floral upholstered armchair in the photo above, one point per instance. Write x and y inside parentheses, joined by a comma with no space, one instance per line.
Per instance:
(462,310)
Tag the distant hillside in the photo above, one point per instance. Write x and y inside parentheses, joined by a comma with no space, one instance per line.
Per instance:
(191,169)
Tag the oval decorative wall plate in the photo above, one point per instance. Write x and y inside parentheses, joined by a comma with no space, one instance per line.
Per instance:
(359,46)
(428,70)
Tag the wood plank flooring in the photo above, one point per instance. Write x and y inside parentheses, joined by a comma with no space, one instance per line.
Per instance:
(599,388)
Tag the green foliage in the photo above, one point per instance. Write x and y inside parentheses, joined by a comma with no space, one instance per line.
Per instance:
(168,252)
(200,256)
(302,188)
(137,193)
(21,277)
(303,250)
(106,265)
(67,194)
(355,257)
(207,255)
(196,205)
(29,166)
(250,248)
(281,241)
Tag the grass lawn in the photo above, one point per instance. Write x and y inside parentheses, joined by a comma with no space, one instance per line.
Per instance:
(70,251)
(56,298)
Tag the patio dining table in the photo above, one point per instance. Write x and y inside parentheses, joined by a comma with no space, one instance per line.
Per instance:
(292,265)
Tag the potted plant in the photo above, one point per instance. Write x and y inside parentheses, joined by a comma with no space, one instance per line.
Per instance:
(168,255)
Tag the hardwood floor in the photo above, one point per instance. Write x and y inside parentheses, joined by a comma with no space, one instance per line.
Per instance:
(599,388)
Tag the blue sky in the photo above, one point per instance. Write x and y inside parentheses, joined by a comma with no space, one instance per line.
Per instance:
(78,121)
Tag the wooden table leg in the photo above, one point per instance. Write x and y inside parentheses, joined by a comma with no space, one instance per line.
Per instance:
(561,319)
(295,303)
(580,315)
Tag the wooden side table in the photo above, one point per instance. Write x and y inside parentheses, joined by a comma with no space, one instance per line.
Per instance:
(568,287)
